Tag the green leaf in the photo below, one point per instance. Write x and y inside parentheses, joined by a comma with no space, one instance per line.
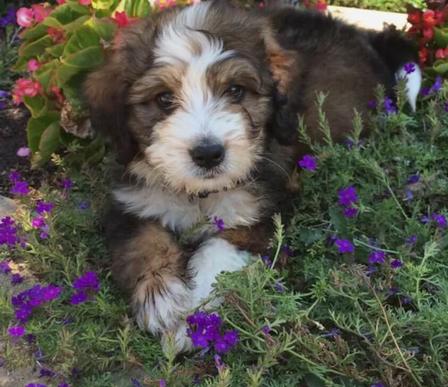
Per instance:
(83,50)
(69,12)
(46,74)
(56,50)
(34,33)
(105,28)
(440,37)
(36,126)
(104,4)
(134,8)
(51,21)
(441,67)
(76,24)
(36,105)
(35,48)
(49,141)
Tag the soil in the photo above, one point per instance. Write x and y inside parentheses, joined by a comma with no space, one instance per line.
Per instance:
(13,136)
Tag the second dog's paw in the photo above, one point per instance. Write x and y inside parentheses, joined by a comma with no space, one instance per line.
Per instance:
(161,305)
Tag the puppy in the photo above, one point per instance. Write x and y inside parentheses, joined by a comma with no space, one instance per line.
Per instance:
(202,104)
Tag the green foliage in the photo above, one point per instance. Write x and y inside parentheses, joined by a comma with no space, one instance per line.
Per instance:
(381,5)
(68,43)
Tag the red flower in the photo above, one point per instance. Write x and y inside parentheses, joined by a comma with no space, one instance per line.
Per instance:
(423,55)
(60,2)
(40,12)
(321,5)
(429,20)
(428,33)
(440,18)
(415,17)
(442,53)
(121,19)
(25,87)
(85,2)
(33,65)
(56,34)
(25,17)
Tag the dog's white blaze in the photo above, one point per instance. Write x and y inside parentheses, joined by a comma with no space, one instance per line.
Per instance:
(413,84)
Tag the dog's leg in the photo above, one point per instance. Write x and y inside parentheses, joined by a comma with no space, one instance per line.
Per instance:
(216,255)
(153,268)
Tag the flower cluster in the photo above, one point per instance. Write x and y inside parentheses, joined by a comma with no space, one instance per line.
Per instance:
(39,222)
(344,246)
(85,287)
(348,198)
(18,185)
(25,302)
(205,331)
(8,232)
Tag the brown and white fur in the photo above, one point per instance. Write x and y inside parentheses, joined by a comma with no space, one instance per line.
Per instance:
(202,104)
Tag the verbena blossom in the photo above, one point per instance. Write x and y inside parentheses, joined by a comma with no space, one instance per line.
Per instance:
(4,267)
(344,246)
(9,18)
(8,232)
(19,187)
(67,184)
(396,264)
(218,223)
(44,207)
(85,286)
(205,331)
(409,68)
(350,212)
(36,385)
(308,162)
(279,287)
(389,106)
(372,104)
(16,279)
(440,220)
(16,331)
(25,302)
(377,256)
(347,196)
(411,240)
(46,373)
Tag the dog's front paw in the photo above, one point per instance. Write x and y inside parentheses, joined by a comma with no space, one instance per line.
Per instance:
(161,303)
(176,340)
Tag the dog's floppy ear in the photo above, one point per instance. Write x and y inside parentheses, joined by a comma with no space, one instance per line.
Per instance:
(284,68)
(107,87)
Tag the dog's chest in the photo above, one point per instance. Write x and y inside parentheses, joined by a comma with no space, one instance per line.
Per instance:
(179,212)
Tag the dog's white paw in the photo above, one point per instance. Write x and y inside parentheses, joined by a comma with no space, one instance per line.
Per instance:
(160,306)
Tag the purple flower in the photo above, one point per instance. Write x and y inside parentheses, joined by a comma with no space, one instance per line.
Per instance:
(445,107)
(38,222)
(4,267)
(393,291)
(9,18)
(411,240)
(424,219)
(63,384)
(16,331)
(389,106)
(377,384)
(437,84)
(372,104)
(87,281)
(409,195)
(20,188)
(409,67)
(287,250)
(424,91)
(205,332)
(350,212)
(218,362)
(23,151)
(135,382)
(266,260)
(35,385)
(218,223)
(4,94)
(279,287)
(308,162)
(42,207)
(84,205)
(396,264)
(266,330)
(413,178)
(371,270)
(440,220)
(377,256)
(16,279)
(347,196)
(8,232)
(333,333)
(162,383)
(79,298)
(67,184)
(344,246)
(46,373)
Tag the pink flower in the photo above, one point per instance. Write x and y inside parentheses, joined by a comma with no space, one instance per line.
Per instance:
(33,65)
(25,87)
(23,151)
(121,19)
(25,17)
(60,2)
(40,12)
(57,92)
(85,2)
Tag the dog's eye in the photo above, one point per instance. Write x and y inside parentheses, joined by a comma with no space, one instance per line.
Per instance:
(236,93)
(165,100)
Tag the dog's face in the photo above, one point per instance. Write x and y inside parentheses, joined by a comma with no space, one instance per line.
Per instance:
(193,88)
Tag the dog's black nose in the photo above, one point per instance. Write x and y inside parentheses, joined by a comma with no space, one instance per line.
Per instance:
(207,155)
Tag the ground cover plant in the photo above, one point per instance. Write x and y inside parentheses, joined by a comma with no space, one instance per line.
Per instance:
(353,292)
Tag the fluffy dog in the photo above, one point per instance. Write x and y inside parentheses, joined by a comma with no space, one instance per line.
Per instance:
(202,104)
